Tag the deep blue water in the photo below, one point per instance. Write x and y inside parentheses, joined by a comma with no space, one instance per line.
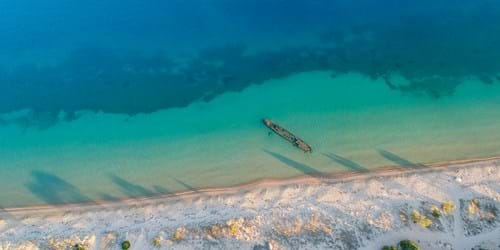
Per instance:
(133,56)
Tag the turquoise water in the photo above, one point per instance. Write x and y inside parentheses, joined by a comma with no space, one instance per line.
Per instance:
(223,142)
(169,96)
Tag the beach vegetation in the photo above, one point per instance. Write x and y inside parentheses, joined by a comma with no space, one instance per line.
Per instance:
(403,245)
(157,241)
(315,225)
(326,229)
(420,219)
(79,247)
(389,248)
(311,225)
(215,230)
(292,228)
(179,234)
(234,227)
(473,207)
(435,212)
(487,216)
(126,245)
(408,245)
(448,207)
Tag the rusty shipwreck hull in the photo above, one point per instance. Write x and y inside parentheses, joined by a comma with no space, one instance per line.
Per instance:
(287,135)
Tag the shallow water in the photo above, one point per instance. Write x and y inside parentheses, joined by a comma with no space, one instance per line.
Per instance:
(223,142)
(151,109)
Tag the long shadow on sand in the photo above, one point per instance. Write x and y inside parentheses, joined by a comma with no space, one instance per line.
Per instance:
(54,190)
(187,186)
(346,162)
(398,159)
(184,184)
(305,169)
(162,190)
(133,190)
(129,188)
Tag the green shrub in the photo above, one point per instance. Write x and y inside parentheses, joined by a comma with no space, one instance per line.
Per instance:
(435,212)
(389,248)
(79,247)
(126,245)
(408,245)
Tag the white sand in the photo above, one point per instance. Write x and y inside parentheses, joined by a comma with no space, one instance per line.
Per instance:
(364,211)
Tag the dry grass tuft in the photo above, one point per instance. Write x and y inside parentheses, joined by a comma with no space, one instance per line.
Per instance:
(157,241)
(448,207)
(487,216)
(473,207)
(313,225)
(215,231)
(234,227)
(420,219)
(179,234)
(291,229)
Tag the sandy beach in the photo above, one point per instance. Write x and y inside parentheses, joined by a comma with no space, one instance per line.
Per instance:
(351,211)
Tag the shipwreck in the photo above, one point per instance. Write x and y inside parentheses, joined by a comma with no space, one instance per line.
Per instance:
(287,135)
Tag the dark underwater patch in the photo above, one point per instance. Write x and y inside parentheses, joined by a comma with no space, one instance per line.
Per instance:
(433,48)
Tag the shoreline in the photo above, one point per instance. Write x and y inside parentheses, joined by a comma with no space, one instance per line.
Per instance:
(364,210)
(75,155)
(384,171)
